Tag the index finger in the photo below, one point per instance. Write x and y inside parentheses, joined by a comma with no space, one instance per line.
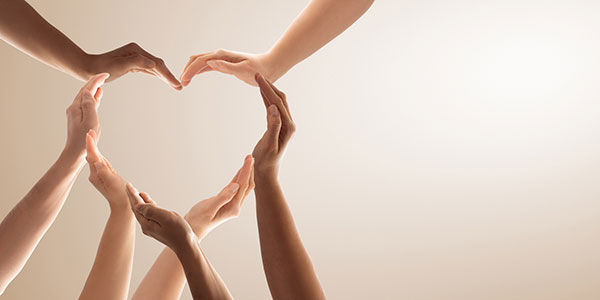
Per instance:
(163,72)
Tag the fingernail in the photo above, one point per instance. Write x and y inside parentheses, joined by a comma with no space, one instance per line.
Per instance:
(233,187)
(256,77)
(212,63)
(185,82)
(273,111)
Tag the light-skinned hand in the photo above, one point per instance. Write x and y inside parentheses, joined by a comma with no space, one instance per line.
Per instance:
(104,177)
(82,115)
(131,58)
(212,212)
(280,129)
(241,65)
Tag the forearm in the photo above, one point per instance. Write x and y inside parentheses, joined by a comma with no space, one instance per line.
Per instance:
(22,27)
(287,266)
(25,225)
(320,22)
(111,272)
(202,279)
(164,281)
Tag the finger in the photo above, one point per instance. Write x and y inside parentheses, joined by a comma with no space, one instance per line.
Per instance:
(89,107)
(104,174)
(243,180)
(147,198)
(226,194)
(93,154)
(223,66)
(283,98)
(271,136)
(273,98)
(137,61)
(166,75)
(237,175)
(198,64)
(152,212)
(250,188)
(98,95)
(134,197)
(95,82)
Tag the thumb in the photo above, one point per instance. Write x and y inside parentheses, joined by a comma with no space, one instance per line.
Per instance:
(223,66)
(273,125)
(152,212)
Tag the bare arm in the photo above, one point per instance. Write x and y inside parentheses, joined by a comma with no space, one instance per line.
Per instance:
(319,23)
(28,221)
(166,278)
(176,233)
(111,272)
(25,29)
(286,262)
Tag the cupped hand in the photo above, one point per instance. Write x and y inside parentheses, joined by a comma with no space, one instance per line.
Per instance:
(104,177)
(131,58)
(210,213)
(241,65)
(82,114)
(165,226)
(280,129)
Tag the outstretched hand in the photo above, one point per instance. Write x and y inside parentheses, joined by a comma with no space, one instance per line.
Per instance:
(241,65)
(165,226)
(131,58)
(212,212)
(280,129)
(82,114)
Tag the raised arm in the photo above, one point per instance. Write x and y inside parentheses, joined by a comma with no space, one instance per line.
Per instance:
(22,27)
(176,233)
(166,278)
(319,23)
(111,272)
(287,266)
(25,225)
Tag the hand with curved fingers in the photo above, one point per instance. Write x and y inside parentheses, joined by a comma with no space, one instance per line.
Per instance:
(319,23)
(166,279)
(82,114)
(288,268)
(241,65)
(280,128)
(111,272)
(22,27)
(26,224)
(131,58)
(175,232)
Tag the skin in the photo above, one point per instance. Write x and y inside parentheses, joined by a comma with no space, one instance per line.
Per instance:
(22,27)
(319,23)
(288,268)
(111,271)
(25,225)
(166,279)
(176,233)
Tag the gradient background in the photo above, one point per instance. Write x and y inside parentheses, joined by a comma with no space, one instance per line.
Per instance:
(445,149)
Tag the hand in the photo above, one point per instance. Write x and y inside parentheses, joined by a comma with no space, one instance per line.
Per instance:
(210,213)
(131,58)
(167,227)
(104,178)
(241,65)
(82,115)
(280,129)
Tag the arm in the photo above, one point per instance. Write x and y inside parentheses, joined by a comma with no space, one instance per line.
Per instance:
(287,266)
(111,272)
(319,23)
(166,278)
(22,27)
(176,233)
(28,221)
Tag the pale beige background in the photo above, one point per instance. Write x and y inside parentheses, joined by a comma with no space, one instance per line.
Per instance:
(445,149)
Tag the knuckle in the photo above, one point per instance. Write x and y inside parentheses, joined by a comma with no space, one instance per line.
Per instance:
(133,45)
(220,52)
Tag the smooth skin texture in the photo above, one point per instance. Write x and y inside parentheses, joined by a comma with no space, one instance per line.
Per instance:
(166,279)
(22,27)
(319,23)
(176,233)
(25,225)
(111,271)
(288,267)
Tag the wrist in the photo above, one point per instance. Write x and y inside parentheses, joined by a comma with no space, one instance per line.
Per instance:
(72,157)
(186,247)
(265,177)
(274,64)
(85,69)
